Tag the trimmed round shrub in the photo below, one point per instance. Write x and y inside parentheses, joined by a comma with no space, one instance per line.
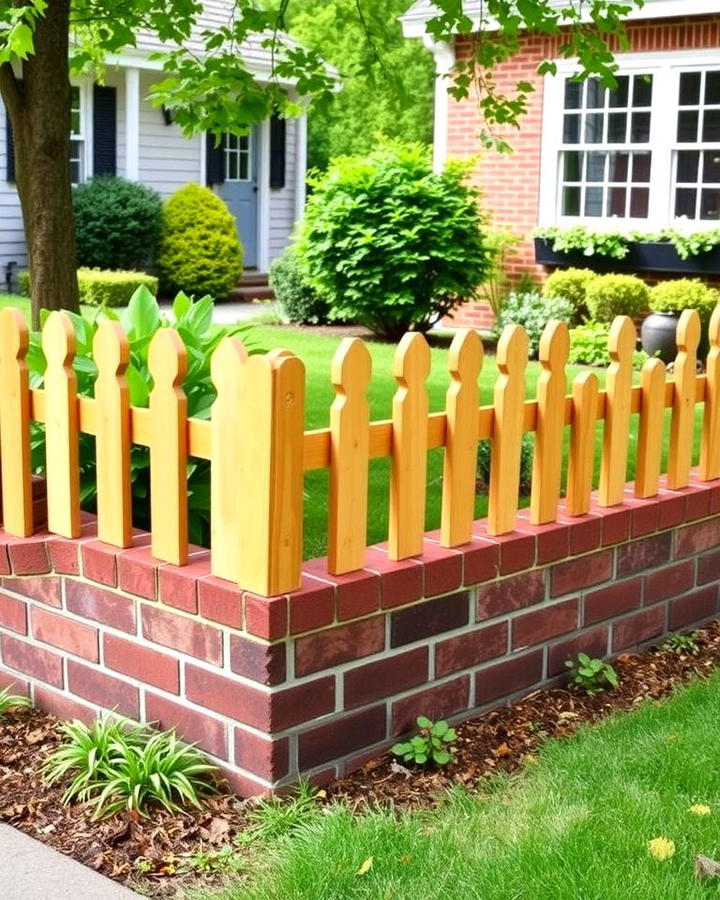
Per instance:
(608,296)
(392,244)
(533,312)
(298,298)
(572,284)
(200,252)
(117,223)
(683,293)
(98,288)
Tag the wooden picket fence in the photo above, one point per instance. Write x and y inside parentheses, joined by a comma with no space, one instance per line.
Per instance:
(258,448)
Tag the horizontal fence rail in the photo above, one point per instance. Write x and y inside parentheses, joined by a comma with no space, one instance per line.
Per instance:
(258,448)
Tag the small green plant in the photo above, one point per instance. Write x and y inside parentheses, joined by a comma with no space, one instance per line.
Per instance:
(9,702)
(572,284)
(592,675)
(589,346)
(224,859)
(683,644)
(300,301)
(533,312)
(278,816)
(616,295)
(116,766)
(435,743)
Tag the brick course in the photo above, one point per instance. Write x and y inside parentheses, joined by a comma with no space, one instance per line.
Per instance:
(317,681)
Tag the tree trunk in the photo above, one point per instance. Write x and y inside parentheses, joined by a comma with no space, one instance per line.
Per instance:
(39,110)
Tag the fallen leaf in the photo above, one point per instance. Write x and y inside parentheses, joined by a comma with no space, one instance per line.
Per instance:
(706,867)
(365,867)
(661,848)
(217,831)
(568,714)
(700,809)
(502,750)
(397,769)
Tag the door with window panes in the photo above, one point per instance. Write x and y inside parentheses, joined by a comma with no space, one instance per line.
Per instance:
(239,188)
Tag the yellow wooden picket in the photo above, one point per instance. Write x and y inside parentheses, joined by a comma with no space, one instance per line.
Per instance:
(258,448)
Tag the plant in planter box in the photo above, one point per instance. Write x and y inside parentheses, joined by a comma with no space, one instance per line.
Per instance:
(667,301)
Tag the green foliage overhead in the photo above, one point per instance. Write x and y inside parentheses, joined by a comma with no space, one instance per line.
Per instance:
(683,293)
(387,80)
(533,311)
(390,243)
(199,252)
(117,223)
(616,295)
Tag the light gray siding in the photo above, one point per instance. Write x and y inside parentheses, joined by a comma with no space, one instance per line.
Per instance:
(168,159)
(282,202)
(12,239)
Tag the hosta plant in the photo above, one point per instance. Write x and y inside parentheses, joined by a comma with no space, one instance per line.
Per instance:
(435,742)
(592,675)
(9,702)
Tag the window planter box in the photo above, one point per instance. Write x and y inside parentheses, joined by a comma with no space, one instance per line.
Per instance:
(644,256)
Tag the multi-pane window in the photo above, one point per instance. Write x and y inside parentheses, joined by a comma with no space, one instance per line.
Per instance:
(238,165)
(697,149)
(606,160)
(77,139)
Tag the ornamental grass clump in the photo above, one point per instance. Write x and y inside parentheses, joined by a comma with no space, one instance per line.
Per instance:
(116,766)
(391,244)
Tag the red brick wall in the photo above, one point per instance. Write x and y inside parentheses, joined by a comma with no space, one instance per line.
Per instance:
(510,184)
(316,681)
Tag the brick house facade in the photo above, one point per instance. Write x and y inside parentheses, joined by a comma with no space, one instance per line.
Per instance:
(524,190)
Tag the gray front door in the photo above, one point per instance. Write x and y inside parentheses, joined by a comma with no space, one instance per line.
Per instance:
(239,189)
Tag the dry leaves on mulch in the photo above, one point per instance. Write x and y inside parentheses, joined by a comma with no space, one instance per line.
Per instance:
(154,854)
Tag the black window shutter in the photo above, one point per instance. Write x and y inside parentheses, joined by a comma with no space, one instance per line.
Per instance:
(104,130)
(9,148)
(214,160)
(277,151)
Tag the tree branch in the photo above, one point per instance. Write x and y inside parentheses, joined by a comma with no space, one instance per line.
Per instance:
(10,90)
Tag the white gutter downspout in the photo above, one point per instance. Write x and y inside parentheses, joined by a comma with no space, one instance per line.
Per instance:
(444,55)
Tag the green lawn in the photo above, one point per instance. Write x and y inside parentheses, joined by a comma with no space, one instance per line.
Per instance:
(573,827)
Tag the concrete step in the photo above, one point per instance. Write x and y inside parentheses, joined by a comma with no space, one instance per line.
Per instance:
(247,293)
(253,278)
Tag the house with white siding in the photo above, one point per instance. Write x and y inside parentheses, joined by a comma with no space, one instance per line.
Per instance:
(115,130)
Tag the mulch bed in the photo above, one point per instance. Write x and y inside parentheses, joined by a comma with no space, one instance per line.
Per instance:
(154,855)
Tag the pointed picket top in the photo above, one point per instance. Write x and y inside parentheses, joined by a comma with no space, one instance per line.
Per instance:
(618,389)
(551,388)
(710,443)
(406,520)
(111,351)
(167,358)
(15,424)
(465,360)
(687,337)
(349,457)
(508,423)
(61,426)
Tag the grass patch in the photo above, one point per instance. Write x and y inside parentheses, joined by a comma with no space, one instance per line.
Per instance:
(576,825)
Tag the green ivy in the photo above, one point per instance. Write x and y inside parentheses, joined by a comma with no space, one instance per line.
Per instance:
(614,245)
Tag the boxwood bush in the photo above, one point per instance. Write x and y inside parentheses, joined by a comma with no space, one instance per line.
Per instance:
(392,244)
(200,252)
(99,288)
(572,284)
(683,293)
(298,298)
(117,223)
(616,295)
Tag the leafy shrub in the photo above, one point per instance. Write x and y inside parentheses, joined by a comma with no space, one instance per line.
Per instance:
(616,295)
(9,702)
(435,743)
(592,675)
(300,301)
(588,344)
(98,288)
(140,321)
(390,243)
(683,293)
(572,284)
(527,448)
(117,223)
(533,312)
(199,251)
(128,767)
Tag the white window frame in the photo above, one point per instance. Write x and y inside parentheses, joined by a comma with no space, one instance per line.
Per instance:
(84,136)
(238,152)
(665,69)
